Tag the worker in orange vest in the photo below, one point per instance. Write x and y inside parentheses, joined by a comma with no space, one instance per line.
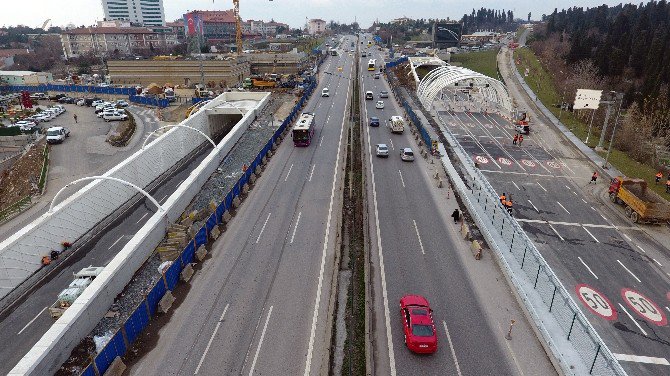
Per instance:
(502,198)
(659,175)
(508,206)
(594,177)
(515,139)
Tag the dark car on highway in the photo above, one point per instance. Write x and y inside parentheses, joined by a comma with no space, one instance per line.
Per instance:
(374,121)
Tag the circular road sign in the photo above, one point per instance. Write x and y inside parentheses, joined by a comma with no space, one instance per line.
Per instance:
(644,307)
(505,161)
(528,163)
(481,159)
(488,125)
(596,302)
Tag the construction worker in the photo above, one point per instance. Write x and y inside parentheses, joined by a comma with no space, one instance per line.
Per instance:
(456,215)
(659,175)
(508,206)
(594,177)
(515,139)
(520,139)
(667,186)
(503,198)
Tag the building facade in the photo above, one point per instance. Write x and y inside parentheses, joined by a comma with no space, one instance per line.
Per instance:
(25,77)
(211,26)
(109,41)
(145,12)
(316,26)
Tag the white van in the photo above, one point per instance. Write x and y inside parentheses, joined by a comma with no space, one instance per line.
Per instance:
(325,92)
(56,135)
(368,96)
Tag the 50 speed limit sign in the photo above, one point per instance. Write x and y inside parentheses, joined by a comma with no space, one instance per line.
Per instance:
(596,302)
(644,307)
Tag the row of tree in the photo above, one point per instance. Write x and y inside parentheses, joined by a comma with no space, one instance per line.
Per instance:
(488,19)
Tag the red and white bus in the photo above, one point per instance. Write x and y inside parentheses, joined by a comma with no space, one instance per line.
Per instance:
(304,129)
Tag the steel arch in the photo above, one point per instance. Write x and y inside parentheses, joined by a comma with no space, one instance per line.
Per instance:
(439,78)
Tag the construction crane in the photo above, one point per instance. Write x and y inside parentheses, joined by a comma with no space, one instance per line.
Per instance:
(238,26)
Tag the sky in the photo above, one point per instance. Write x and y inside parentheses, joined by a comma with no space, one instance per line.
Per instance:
(294,12)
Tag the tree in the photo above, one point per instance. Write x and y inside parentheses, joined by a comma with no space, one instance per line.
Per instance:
(528,16)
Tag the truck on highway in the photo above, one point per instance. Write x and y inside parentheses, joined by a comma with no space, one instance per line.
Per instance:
(82,279)
(396,124)
(642,205)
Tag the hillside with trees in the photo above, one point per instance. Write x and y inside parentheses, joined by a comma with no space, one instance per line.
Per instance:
(624,48)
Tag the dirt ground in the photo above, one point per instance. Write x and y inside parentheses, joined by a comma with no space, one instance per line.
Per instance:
(22,178)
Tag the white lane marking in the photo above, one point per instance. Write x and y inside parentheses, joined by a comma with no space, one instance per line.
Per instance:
(392,147)
(594,209)
(320,141)
(311,173)
(584,201)
(517,187)
(526,173)
(117,240)
(161,200)
(423,251)
(531,202)
(140,220)
(260,342)
(31,321)
(628,270)
(263,228)
(589,232)
(656,261)
(587,267)
(297,222)
(401,179)
(556,232)
(641,249)
(289,172)
(627,237)
(567,187)
(566,210)
(178,184)
(575,193)
(317,301)
(641,359)
(451,347)
(667,309)
(380,254)
(544,189)
(632,319)
(604,217)
(216,329)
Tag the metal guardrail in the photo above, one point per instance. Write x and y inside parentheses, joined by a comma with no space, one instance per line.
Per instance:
(14,208)
(518,248)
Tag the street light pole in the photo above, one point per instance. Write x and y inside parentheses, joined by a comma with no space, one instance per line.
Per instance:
(601,142)
(609,149)
(593,114)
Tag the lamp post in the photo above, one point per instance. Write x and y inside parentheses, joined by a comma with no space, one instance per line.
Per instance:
(609,149)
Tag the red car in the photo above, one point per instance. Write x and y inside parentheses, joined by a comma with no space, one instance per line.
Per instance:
(418,325)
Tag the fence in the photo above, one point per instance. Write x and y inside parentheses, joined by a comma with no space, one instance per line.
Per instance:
(129,91)
(393,64)
(123,339)
(517,250)
(148,101)
(393,83)
(14,208)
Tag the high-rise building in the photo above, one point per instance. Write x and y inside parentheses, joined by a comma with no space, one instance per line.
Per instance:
(146,12)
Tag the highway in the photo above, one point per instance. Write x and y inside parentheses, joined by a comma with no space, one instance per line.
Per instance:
(617,271)
(416,249)
(260,304)
(30,319)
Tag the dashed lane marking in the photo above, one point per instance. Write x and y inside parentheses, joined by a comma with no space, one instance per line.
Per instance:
(589,232)
(587,267)
(423,251)
(534,207)
(566,210)
(641,359)
(517,187)
(632,319)
(216,329)
(591,225)
(526,173)
(543,188)
(263,228)
(628,270)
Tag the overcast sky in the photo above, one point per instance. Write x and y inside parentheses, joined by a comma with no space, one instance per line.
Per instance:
(85,12)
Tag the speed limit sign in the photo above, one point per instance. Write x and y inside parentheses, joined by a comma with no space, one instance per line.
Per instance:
(644,307)
(596,302)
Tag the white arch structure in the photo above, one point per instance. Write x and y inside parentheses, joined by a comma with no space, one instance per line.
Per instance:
(179,126)
(447,76)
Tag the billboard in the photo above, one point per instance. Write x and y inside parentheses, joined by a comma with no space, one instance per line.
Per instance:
(447,34)
(192,24)
(587,99)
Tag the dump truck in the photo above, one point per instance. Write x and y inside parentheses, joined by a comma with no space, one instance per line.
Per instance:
(396,124)
(642,205)
(82,279)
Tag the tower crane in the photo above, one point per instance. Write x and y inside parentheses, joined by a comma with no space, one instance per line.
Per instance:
(238,26)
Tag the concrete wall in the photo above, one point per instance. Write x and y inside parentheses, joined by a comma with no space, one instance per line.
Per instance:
(55,346)
(20,254)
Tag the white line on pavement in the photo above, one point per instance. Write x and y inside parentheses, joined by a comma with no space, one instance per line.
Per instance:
(263,228)
(567,187)
(556,232)
(419,236)
(531,202)
(401,179)
(628,270)
(216,329)
(641,359)
(641,249)
(392,147)
(31,321)
(140,220)
(632,319)
(178,184)
(317,300)
(451,347)
(584,201)
(587,267)
(297,222)
(575,193)
(526,173)
(544,189)
(627,237)
(260,342)
(566,210)
(656,261)
(117,240)
(311,173)
(517,187)
(289,172)
(589,232)
(594,209)
(161,200)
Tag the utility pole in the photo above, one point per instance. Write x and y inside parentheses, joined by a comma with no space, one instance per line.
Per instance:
(607,118)
(609,149)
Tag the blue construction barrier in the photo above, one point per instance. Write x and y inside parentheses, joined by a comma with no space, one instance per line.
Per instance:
(393,64)
(195,100)
(148,101)
(172,275)
(69,88)
(156,294)
(89,371)
(417,122)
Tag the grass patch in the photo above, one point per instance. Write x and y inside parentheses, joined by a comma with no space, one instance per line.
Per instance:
(483,62)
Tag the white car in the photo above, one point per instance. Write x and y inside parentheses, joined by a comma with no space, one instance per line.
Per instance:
(382,150)
(122,103)
(24,123)
(96,103)
(56,135)
(43,116)
(81,102)
(379,105)
(325,92)
(406,154)
(115,115)
(106,111)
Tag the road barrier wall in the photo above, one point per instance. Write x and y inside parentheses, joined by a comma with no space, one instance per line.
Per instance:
(80,319)
(88,89)
(21,254)
(573,342)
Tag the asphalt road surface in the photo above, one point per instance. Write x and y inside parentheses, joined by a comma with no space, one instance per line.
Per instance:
(616,270)
(260,304)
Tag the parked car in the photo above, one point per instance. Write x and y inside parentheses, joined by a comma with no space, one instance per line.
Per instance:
(81,102)
(379,105)
(36,96)
(115,115)
(56,135)
(106,110)
(382,150)
(418,324)
(96,102)
(56,97)
(44,116)
(406,154)
(121,103)
(24,123)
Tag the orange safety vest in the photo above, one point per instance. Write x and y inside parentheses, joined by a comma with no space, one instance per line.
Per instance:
(659,175)
(508,203)
(667,182)
(502,198)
